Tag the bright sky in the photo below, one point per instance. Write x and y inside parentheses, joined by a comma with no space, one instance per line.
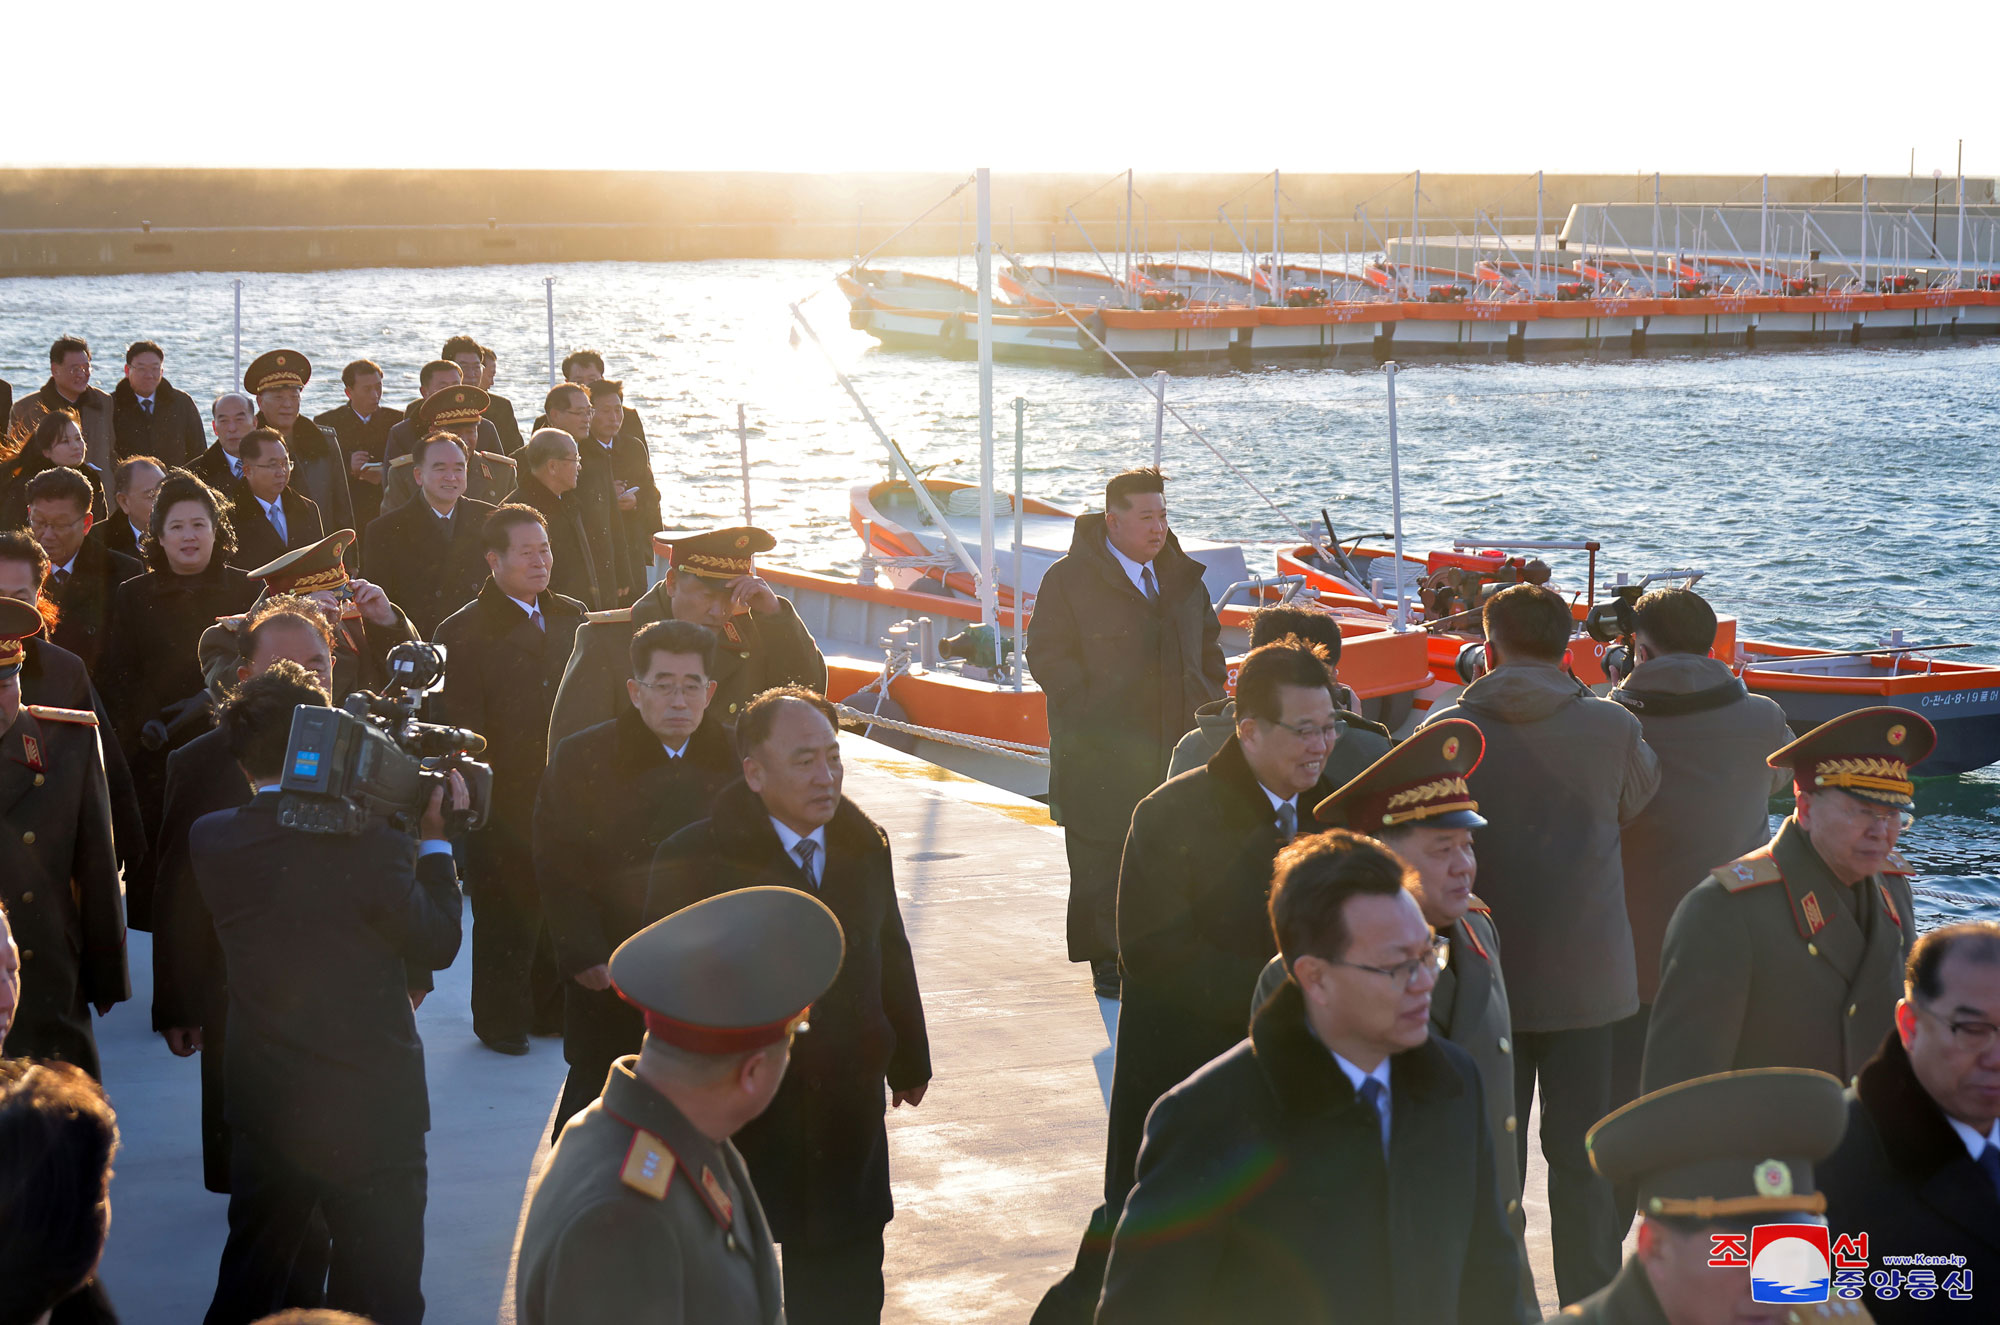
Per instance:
(1739,86)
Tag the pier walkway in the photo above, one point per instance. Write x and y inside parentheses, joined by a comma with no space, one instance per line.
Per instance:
(994,1175)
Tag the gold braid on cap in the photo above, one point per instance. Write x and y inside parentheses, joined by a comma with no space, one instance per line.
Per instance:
(1711,1207)
(702,563)
(1429,799)
(1866,774)
(325,579)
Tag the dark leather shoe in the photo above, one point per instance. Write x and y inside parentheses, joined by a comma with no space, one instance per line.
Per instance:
(1104,979)
(513,1046)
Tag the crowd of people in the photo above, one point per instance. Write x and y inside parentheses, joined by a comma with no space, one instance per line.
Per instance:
(1345,966)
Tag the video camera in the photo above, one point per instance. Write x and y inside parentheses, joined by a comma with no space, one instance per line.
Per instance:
(1611,623)
(371,757)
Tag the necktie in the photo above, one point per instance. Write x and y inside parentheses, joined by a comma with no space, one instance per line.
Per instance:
(1371,1095)
(61,581)
(1288,821)
(277,514)
(1989,1159)
(146,405)
(1152,585)
(806,850)
(535,620)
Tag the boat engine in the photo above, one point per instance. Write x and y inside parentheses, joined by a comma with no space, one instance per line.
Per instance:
(1162,301)
(1690,289)
(1445,294)
(1305,296)
(1571,291)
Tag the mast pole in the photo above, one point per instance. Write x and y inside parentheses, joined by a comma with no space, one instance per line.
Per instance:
(1396,498)
(743,453)
(1538,234)
(549,296)
(988,591)
(1020,592)
(239,333)
(1129,300)
(1159,418)
(1416,219)
(1958,249)
(1277,242)
(1864,234)
(1763,233)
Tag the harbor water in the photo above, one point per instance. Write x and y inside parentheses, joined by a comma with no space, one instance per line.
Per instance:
(1830,494)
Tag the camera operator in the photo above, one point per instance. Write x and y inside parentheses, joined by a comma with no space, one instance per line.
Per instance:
(326,1098)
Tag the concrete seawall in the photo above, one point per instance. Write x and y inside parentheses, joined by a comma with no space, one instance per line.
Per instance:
(104,221)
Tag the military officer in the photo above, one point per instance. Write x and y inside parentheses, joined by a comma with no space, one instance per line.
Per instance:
(365,624)
(1793,955)
(278,379)
(58,872)
(712,581)
(1712,1158)
(1414,801)
(489,476)
(645,1211)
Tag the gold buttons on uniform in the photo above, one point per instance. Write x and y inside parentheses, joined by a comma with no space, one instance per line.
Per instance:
(27,954)
(28,837)
(1512,1206)
(1850,1009)
(26,898)
(729,1240)
(1813,949)
(732,708)
(1510,1124)
(1505,1047)
(39,779)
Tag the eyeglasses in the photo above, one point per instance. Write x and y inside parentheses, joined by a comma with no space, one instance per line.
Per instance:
(1973,1037)
(1405,973)
(60,529)
(270,466)
(1310,732)
(685,689)
(1881,814)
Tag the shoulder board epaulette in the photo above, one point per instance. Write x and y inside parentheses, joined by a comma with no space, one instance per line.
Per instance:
(1896,864)
(1476,905)
(495,457)
(1889,903)
(612,616)
(401,460)
(81,717)
(1752,871)
(730,634)
(649,1165)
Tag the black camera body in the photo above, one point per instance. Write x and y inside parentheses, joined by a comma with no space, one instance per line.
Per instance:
(1612,623)
(372,759)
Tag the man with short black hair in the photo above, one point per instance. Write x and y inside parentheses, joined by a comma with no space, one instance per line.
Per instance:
(426,554)
(233,415)
(632,482)
(1563,771)
(460,411)
(149,415)
(69,388)
(612,793)
(1194,926)
(501,410)
(1350,1141)
(1126,645)
(135,485)
(82,572)
(271,517)
(583,367)
(361,427)
(569,408)
(1919,1168)
(507,649)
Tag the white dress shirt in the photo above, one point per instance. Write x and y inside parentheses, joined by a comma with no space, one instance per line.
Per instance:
(790,841)
(1974,1142)
(534,612)
(674,751)
(275,512)
(1135,571)
(1356,1076)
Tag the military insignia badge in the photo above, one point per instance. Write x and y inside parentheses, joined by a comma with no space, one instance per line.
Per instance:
(1898,733)
(280,361)
(1773,1178)
(649,1166)
(1813,916)
(742,540)
(723,1205)
(1743,872)
(32,748)
(1450,750)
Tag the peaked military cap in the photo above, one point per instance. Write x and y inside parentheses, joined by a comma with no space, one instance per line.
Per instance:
(452,406)
(1726,1146)
(18,622)
(1867,753)
(1418,783)
(732,973)
(308,569)
(277,368)
(720,554)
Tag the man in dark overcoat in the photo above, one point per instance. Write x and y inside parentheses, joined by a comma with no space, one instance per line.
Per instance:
(569,408)
(271,517)
(505,652)
(820,1155)
(549,465)
(612,793)
(1335,1166)
(83,573)
(361,427)
(150,416)
(1126,645)
(460,411)
(58,871)
(1919,1168)
(1194,928)
(712,582)
(426,555)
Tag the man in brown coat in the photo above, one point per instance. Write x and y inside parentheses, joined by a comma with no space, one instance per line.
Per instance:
(69,388)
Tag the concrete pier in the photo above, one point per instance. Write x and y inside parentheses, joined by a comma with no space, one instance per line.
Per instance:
(995,1175)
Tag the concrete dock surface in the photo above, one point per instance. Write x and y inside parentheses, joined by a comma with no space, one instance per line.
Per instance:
(995,1175)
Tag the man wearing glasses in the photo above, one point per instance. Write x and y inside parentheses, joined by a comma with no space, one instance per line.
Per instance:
(1337,1164)
(1193,926)
(82,571)
(1919,1167)
(271,517)
(1793,956)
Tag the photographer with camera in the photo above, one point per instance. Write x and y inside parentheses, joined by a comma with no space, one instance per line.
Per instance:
(326,1097)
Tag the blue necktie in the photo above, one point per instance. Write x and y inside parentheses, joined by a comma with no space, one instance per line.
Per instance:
(1371,1095)
(1152,585)
(1989,1159)
(1288,827)
(807,849)
(277,514)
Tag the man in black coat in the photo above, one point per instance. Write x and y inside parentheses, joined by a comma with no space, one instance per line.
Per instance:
(327,1102)
(82,573)
(149,415)
(361,428)
(506,650)
(636,493)
(190,996)
(427,555)
(613,793)
(1918,1171)
(481,439)
(549,466)
(1194,929)
(1126,645)
(232,416)
(271,517)
(569,407)
(135,485)
(820,1155)
(1336,1166)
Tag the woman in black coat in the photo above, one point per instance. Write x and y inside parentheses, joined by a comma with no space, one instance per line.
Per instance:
(151,669)
(56,440)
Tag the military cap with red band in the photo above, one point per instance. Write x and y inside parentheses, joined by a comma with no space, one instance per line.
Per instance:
(721,554)
(732,973)
(308,569)
(1867,753)
(1420,783)
(452,406)
(275,369)
(19,622)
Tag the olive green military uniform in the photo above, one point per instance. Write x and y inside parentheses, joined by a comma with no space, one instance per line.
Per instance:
(639,1219)
(488,478)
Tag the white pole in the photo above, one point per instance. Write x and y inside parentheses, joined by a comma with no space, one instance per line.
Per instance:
(1416,219)
(1958,249)
(549,288)
(1538,234)
(743,450)
(1864,234)
(1396,497)
(1655,280)
(1277,241)
(1020,592)
(238,382)
(988,592)
(1763,232)
(1130,301)
(1159,418)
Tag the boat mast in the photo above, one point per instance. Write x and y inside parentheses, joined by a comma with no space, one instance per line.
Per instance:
(1864,234)
(1402,617)
(549,287)
(1654,280)
(1277,242)
(1538,234)
(1130,302)
(1763,233)
(1416,219)
(1958,250)
(988,592)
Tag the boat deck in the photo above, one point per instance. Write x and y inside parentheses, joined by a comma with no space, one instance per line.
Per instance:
(994,1176)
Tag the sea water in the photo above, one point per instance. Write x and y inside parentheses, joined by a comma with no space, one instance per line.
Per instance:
(1831,494)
